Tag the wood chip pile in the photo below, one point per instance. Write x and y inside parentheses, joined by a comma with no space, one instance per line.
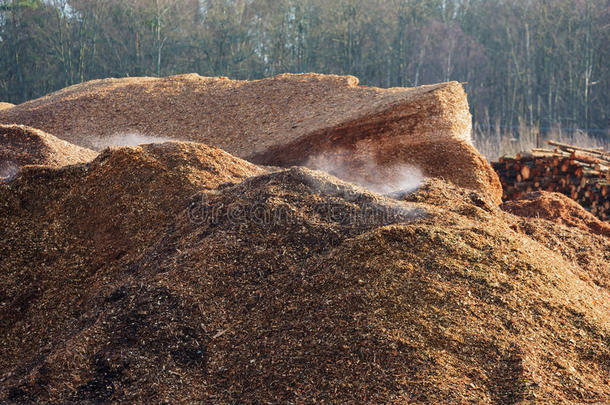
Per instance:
(180,273)
(292,119)
(21,146)
(4,106)
(177,273)
(582,174)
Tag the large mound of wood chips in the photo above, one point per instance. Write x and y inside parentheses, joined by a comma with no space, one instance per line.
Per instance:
(283,121)
(177,273)
(21,146)
(4,106)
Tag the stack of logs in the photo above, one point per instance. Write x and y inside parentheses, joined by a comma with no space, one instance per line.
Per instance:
(580,173)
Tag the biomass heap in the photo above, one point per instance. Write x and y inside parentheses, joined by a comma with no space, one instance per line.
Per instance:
(580,173)
(181,273)
(24,146)
(320,121)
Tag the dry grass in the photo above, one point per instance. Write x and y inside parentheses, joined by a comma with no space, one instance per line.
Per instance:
(493,145)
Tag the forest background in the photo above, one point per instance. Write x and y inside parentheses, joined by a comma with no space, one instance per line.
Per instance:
(533,69)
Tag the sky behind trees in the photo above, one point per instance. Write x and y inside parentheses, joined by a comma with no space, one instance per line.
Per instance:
(527,63)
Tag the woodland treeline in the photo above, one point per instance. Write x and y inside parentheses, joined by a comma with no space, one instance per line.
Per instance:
(527,63)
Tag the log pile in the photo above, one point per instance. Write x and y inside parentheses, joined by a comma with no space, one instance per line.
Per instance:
(582,174)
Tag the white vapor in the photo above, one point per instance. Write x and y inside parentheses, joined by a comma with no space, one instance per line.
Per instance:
(382,179)
(127,139)
(8,171)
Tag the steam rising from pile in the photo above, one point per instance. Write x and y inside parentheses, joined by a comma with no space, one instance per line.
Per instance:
(8,171)
(382,179)
(358,167)
(127,139)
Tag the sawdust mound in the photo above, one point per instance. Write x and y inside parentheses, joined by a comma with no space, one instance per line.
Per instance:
(21,146)
(283,121)
(122,198)
(290,286)
(558,208)
(589,254)
(4,106)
